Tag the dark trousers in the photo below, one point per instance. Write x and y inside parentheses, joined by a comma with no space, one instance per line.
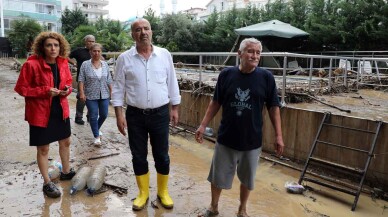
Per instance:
(79,109)
(155,123)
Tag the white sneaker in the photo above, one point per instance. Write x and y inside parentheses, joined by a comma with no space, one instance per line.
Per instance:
(97,141)
(100,133)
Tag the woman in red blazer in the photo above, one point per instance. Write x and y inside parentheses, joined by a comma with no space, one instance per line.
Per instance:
(45,82)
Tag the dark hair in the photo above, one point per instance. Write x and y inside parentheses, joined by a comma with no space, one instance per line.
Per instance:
(38,46)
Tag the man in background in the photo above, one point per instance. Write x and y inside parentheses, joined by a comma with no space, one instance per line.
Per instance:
(80,55)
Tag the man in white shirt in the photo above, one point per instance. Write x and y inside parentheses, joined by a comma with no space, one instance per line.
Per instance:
(145,81)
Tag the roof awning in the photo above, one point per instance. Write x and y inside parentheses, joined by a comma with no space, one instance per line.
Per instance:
(271,28)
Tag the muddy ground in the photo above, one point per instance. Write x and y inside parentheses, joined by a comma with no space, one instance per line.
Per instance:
(21,184)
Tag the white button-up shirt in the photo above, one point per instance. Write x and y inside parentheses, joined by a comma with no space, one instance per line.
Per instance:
(145,83)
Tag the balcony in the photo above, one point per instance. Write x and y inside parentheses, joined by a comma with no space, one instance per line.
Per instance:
(96,2)
(36,16)
(94,11)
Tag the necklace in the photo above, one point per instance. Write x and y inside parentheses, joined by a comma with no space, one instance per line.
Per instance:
(96,66)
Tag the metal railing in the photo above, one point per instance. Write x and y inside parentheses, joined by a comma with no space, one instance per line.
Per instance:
(376,67)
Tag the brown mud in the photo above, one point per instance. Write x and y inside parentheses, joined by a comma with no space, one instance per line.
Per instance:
(21,183)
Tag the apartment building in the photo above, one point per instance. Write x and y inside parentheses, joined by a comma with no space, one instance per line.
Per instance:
(226,5)
(93,9)
(194,12)
(46,12)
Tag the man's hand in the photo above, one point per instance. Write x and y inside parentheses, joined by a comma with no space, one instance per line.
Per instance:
(122,125)
(120,120)
(174,115)
(199,134)
(279,146)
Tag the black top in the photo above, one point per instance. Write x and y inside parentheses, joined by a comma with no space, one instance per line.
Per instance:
(55,104)
(242,97)
(80,54)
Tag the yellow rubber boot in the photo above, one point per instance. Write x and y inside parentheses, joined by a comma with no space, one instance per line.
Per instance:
(143,183)
(163,195)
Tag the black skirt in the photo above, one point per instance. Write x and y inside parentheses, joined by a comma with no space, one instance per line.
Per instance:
(57,128)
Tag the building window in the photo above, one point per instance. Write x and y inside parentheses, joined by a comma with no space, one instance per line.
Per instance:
(44,9)
(51,27)
(6,24)
(39,8)
(50,9)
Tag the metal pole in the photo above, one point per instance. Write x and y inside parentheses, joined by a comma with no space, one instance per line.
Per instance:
(330,73)
(283,103)
(377,71)
(311,73)
(346,73)
(200,70)
(362,70)
(2,18)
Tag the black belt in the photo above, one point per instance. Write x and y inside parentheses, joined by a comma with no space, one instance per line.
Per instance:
(148,111)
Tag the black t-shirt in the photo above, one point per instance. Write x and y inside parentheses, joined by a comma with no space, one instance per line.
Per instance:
(80,54)
(242,97)
(56,107)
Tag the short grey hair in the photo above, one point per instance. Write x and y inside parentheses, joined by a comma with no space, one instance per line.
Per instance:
(137,20)
(247,41)
(89,37)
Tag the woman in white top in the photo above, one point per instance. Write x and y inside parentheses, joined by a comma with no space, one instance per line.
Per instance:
(95,89)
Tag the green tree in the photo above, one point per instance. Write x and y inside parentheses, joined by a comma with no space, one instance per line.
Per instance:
(224,35)
(298,11)
(321,24)
(178,29)
(80,32)
(22,34)
(360,22)
(250,15)
(112,34)
(205,32)
(278,10)
(72,19)
(154,21)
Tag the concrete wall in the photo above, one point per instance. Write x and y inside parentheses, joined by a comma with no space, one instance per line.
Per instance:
(299,131)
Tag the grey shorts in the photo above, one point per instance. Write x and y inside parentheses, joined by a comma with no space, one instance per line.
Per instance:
(224,164)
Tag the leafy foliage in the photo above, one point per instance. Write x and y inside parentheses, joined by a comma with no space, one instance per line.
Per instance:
(177,28)
(112,34)
(154,21)
(332,25)
(79,34)
(71,19)
(22,34)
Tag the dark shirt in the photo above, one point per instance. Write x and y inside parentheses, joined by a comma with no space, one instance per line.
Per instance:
(80,54)
(242,97)
(56,107)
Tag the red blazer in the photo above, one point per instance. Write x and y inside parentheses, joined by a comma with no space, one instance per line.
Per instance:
(34,83)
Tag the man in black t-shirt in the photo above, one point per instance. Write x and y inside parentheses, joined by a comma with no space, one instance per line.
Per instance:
(80,55)
(242,91)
